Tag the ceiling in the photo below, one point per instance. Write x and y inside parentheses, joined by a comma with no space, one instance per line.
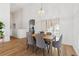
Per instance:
(15,6)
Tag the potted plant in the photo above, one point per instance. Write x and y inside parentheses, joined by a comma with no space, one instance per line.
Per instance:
(1,31)
(1,34)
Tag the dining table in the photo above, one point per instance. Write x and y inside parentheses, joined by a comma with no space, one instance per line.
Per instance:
(50,39)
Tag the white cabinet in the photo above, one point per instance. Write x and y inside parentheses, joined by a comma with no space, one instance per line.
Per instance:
(21,33)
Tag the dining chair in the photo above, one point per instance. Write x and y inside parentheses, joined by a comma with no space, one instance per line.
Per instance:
(40,42)
(30,40)
(57,44)
(48,33)
(42,32)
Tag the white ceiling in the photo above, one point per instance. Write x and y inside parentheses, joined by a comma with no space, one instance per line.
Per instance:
(15,6)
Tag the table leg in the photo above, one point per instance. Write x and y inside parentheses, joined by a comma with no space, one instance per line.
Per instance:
(50,47)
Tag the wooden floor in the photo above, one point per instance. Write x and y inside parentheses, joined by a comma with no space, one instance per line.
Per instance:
(17,47)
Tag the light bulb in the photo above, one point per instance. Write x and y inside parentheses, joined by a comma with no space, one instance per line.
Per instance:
(41,12)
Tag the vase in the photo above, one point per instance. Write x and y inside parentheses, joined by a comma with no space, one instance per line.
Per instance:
(1,40)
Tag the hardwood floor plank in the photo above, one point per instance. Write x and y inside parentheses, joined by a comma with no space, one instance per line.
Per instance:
(17,47)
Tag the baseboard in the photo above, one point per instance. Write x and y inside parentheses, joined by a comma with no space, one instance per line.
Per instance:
(76,50)
(17,37)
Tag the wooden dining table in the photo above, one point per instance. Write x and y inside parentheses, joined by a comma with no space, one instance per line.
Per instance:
(48,38)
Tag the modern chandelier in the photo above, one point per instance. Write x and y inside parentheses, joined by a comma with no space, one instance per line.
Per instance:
(41,10)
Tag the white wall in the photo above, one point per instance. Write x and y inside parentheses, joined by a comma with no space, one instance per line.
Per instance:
(17,18)
(5,17)
(66,23)
(76,27)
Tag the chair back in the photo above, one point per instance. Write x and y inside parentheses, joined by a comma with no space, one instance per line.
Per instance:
(42,32)
(40,41)
(57,44)
(60,39)
(30,39)
(48,33)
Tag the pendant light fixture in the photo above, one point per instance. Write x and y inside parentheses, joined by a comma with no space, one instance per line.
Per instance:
(41,11)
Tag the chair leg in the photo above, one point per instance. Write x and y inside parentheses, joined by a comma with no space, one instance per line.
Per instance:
(58,51)
(36,50)
(27,46)
(33,49)
(48,49)
(43,52)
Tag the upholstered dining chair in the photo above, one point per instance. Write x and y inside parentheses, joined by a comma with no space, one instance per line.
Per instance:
(30,40)
(42,32)
(57,44)
(40,42)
